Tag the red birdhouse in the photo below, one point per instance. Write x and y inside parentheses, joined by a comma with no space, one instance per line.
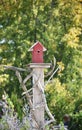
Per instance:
(37,52)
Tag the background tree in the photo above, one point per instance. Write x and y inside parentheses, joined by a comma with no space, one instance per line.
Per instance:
(57,24)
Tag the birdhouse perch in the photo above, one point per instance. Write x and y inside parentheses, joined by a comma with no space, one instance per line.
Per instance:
(37,52)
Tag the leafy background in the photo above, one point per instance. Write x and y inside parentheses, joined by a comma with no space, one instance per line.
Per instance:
(57,24)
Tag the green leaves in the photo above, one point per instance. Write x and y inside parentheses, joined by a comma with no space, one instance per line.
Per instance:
(57,24)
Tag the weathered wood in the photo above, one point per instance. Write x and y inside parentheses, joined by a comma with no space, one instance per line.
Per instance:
(52,76)
(45,102)
(28,98)
(38,75)
(39,100)
(13,68)
(52,67)
(39,65)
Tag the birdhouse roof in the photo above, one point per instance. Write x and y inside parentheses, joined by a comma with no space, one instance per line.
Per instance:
(31,49)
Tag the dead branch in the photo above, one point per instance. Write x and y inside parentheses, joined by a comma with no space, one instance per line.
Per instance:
(27,77)
(52,76)
(27,91)
(44,99)
(13,68)
(27,95)
(48,122)
(24,87)
(52,68)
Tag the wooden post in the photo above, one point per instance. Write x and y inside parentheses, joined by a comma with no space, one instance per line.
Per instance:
(38,66)
(38,102)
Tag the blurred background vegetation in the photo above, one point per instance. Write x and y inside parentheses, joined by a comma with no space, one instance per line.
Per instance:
(57,24)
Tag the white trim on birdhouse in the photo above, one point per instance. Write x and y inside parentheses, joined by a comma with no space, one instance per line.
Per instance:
(31,49)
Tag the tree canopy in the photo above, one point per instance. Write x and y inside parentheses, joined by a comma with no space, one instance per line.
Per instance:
(57,24)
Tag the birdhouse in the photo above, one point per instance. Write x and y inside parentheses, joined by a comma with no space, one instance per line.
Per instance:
(37,52)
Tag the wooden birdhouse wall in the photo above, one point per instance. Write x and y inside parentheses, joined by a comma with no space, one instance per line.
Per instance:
(37,54)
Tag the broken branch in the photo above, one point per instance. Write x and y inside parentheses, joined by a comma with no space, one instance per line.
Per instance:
(52,76)
(13,68)
(27,77)
(52,68)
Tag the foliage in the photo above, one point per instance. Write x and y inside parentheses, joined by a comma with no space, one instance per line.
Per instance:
(9,119)
(57,24)
(76,121)
(59,99)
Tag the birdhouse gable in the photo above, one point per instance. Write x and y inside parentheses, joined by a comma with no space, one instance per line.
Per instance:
(37,47)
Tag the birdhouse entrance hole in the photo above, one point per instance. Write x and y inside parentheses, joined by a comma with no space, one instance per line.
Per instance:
(38,51)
